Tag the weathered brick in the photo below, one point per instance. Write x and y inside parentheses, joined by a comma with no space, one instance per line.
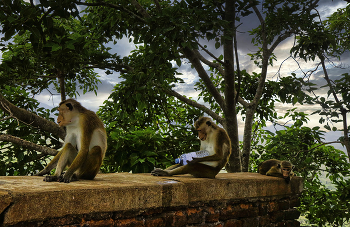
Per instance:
(295,202)
(155,222)
(68,220)
(277,216)
(131,222)
(291,214)
(233,223)
(194,215)
(263,208)
(292,223)
(100,223)
(179,219)
(273,206)
(239,211)
(264,220)
(212,215)
(250,222)
(283,204)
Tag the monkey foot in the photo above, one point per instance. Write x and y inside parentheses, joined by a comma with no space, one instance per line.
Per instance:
(159,172)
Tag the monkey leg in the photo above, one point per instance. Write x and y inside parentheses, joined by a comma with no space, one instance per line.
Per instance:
(197,170)
(92,165)
(68,153)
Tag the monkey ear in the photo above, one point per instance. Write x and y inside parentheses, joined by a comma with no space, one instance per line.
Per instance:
(208,123)
(70,106)
(293,167)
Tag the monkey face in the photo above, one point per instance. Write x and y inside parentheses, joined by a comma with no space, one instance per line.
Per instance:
(202,135)
(65,115)
(286,172)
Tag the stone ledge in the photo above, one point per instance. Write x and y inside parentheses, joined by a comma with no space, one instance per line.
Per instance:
(27,198)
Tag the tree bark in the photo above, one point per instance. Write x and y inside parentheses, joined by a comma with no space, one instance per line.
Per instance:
(31,118)
(234,164)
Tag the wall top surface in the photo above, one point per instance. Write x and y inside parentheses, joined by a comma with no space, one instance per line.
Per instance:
(26,198)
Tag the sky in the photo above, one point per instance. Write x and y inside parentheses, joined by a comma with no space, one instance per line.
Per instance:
(123,48)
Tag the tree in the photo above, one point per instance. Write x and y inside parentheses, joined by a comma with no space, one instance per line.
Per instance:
(329,40)
(173,31)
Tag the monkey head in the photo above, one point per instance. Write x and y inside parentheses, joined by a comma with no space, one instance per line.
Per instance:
(286,169)
(67,112)
(203,126)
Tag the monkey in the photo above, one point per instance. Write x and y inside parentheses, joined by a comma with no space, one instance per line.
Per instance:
(84,147)
(277,168)
(213,139)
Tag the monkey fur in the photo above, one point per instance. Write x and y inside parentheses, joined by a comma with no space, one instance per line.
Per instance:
(277,168)
(84,148)
(213,139)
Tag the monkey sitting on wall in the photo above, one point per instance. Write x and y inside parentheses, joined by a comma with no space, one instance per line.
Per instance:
(84,147)
(214,140)
(277,168)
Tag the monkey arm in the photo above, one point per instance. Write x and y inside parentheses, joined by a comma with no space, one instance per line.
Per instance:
(274,172)
(51,165)
(214,157)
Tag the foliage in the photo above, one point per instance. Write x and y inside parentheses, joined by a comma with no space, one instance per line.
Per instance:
(41,49)
(322,203)
(15,159)
(145,134)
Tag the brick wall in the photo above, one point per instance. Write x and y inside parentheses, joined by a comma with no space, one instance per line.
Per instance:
(269,212)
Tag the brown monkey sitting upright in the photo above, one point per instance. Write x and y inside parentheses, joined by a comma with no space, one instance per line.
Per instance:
(85,144)
(277,168)
(214,140)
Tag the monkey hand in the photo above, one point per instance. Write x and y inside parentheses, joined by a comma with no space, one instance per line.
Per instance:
(194,160)
(159,172)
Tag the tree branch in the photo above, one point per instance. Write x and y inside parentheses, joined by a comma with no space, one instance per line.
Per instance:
(27,144)
(140,9)
(209,63)
(193,58)
(31,118)
(194,104)
(210,54)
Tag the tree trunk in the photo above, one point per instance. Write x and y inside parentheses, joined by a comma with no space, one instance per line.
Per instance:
(247,138)
(234,164)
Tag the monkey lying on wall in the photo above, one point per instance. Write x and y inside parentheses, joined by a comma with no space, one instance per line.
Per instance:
(214,140)
(85,144)
(277,168)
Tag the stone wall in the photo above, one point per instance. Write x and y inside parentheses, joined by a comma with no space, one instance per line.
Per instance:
(140,200)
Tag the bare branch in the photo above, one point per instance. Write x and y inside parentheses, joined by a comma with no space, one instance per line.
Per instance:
(210,54)
(193,58)
(194,104)
(209,63)
(27,144)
